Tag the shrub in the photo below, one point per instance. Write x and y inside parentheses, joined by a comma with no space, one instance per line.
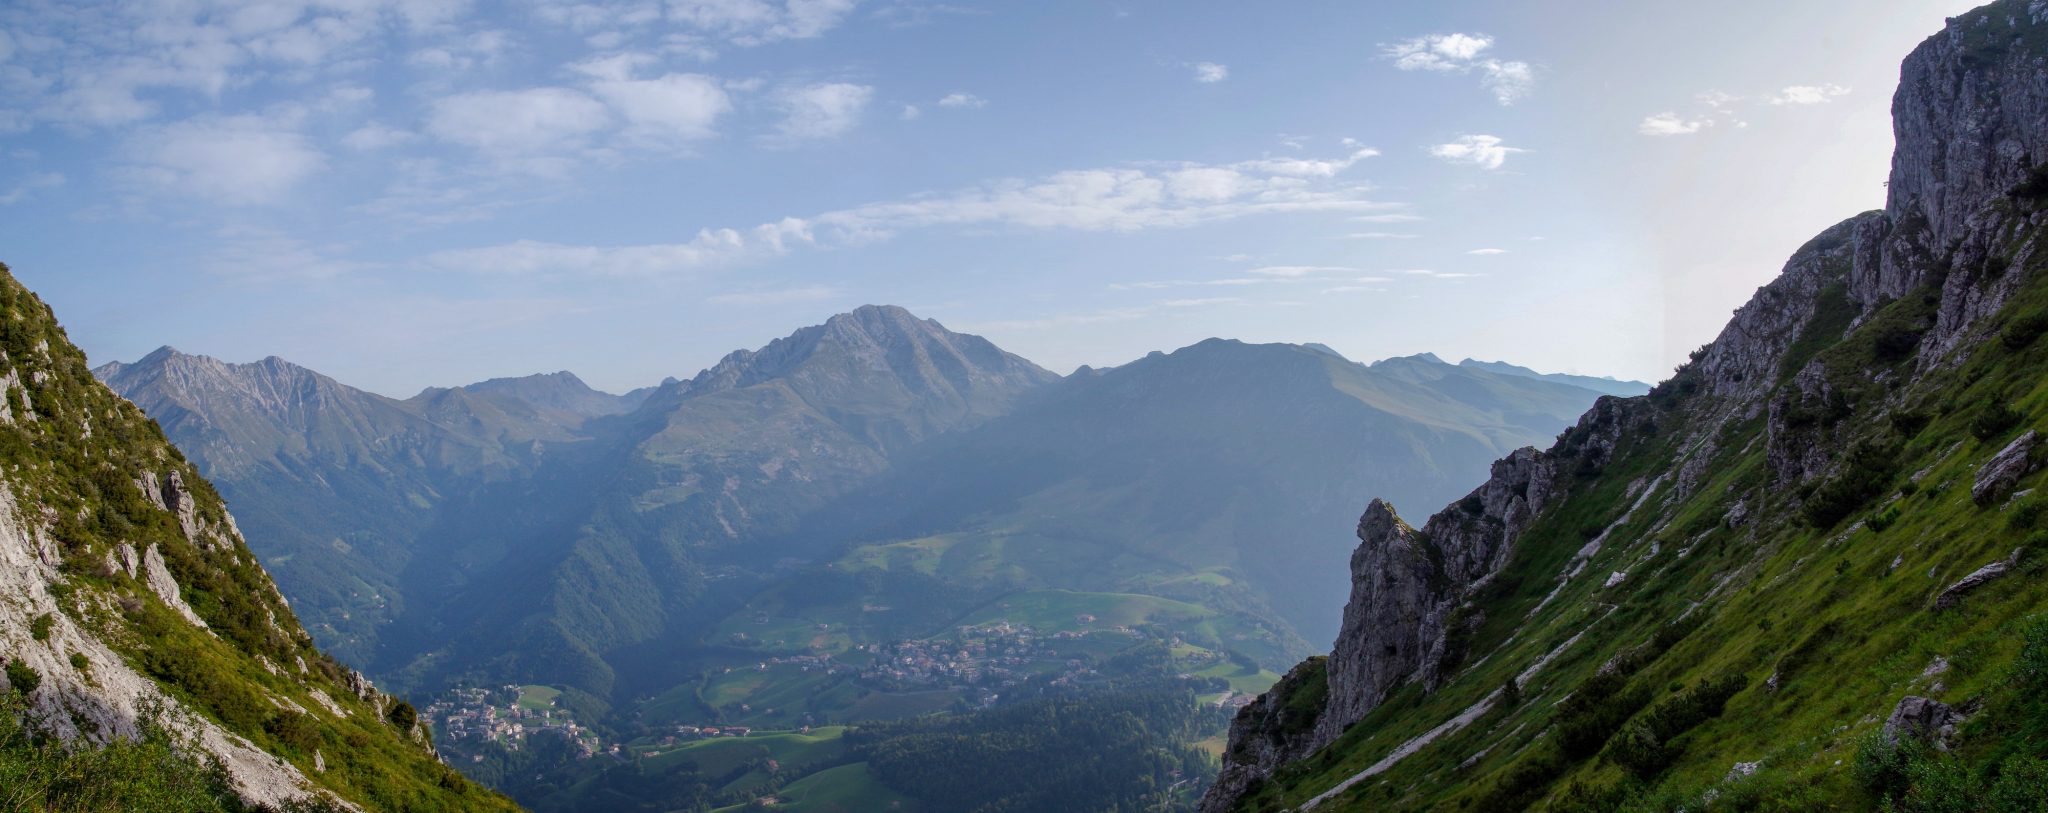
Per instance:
(22,678)
(39,629)
(2030,669)
(403,716)
(1638,749)
(1881,766)
(2023,331)
(1994,420)
(1896,342)
(1866,472)
(1910,422)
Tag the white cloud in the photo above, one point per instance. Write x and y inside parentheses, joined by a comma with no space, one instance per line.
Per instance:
(1509,80)
(27,186)
(111,64)
(818,112)
(1432,274)
(963,100)
(750,23)
(667,109)
(910,112)
(374,136)
(1483,151)
(235,160)
(1210,72)
(1299,270)
(1670,124)
(1347,289)
(1306,167)
(1808,94)
(1096,200)
(710,248)
(1487,252)
(811,293)
(1197,303)
(1381,235)
(517,122)
(471,51)
(1396,217)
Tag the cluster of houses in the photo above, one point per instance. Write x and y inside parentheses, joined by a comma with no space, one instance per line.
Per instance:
(691,732)
(988,655)
(476,716)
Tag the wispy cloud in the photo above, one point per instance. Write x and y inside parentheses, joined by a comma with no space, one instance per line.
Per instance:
(1670,124)
(966,100)
(233,160)
(1291,271)
(819,112)
(1121,199)
(1210,72)
(1808,94)
(1509,80)
(1483,151)
(1380,235)
(1432,274)
(710,248)
(1487,252)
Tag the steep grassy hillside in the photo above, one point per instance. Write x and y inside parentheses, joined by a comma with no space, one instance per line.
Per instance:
(133,619)
(1803,574)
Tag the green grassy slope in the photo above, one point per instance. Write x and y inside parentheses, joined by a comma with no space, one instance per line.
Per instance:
(1762,631)
(78,458)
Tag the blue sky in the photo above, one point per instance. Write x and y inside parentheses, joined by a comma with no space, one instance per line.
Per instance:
(411,193)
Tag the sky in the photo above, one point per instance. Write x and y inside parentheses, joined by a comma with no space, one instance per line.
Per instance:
(405,194)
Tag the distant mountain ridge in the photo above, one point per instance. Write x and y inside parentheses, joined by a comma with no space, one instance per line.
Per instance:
(534,529)
(1222,455)
(1602,384)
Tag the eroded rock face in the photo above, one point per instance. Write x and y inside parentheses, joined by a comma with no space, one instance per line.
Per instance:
(109,698)
(1998,477)
(1407,584)
(1270,732)
(158,577)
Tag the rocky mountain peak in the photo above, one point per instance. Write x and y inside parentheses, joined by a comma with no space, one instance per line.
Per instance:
(878,339)
(560,391)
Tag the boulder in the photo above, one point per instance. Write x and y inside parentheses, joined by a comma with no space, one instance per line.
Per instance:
(1953,596)
(1997,478)
(1921,718)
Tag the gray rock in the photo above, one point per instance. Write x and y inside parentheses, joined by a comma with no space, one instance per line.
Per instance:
(158,577)
(1955,593)
(1921,718)
(1997,478)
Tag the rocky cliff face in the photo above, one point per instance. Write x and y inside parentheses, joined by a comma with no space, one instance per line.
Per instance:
(128,598)
(1805,377)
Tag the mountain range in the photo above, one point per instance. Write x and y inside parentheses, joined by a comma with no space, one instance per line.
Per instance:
(537,531)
